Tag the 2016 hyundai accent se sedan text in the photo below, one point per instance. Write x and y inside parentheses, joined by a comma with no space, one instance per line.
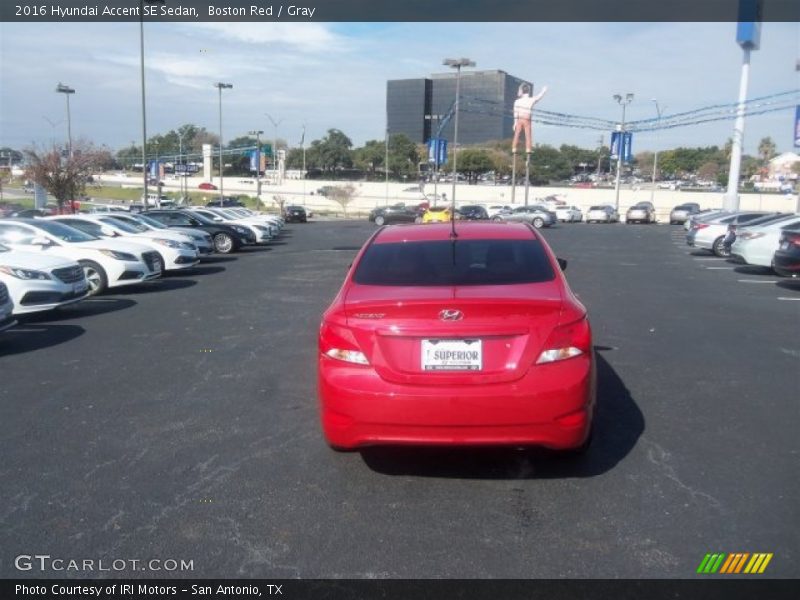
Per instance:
(468,339)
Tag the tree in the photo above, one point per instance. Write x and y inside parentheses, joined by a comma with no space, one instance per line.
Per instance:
(331,152)
(644,162)
(370,156)
(766,150)
(280,202)
(403,157)
(708,171)
(474,162)
(547,164)
(63,176)
(343,194)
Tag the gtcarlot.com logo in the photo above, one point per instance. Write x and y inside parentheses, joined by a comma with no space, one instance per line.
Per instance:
(737,563)
(45,562)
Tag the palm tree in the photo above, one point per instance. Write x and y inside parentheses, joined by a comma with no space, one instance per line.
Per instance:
(766,150)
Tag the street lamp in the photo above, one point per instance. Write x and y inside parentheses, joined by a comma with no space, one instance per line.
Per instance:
(67,91)
(624,103)
(659,112)
(275,147)
(257,133)
(456,63)
(144,111)
(303,144)
(221,86)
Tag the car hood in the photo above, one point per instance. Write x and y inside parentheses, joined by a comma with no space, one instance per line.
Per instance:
(159,234)
(32,260)
(113,244)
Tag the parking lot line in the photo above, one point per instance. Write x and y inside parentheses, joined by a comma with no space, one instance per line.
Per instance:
(720,268)
(707,258)
(789,299)
(758,280)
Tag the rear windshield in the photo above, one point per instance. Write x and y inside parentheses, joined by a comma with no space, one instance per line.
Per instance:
(597,208)
(460,262)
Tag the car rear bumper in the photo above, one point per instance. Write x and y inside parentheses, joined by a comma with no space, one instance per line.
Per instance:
(551,406)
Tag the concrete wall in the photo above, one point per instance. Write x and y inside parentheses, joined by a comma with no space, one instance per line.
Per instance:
(371,194)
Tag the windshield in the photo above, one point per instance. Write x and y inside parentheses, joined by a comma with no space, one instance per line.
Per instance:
(205,220)
(228,214)
(125,226)
(63,232)
(4,248)
(467,262)
(597,208)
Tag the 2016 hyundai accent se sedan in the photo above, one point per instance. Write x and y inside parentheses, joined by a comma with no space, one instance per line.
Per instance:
(473,339)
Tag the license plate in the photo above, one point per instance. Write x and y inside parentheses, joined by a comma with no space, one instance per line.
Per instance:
(79,287)
(452,355)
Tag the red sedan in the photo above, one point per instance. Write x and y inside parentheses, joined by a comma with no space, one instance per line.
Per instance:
(471,340)
(206,186)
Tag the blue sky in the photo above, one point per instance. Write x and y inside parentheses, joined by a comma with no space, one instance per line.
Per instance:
(334,75)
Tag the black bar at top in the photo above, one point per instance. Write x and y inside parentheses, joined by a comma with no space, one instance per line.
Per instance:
(407,10)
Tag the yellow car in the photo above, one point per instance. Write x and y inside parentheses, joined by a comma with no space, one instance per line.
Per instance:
(437,214)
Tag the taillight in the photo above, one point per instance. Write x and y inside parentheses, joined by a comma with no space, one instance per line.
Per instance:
(567,341)
(338,342)
(792,238)
(700,225)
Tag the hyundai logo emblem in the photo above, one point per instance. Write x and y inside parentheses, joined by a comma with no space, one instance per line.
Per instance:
(449,314)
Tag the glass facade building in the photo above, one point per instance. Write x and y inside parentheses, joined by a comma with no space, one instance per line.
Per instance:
(416,107)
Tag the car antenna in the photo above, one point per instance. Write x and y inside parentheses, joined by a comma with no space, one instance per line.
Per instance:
(453,234)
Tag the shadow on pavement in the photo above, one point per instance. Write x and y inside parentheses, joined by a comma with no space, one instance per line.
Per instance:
(210,260)
(754,270)
(618,425)
(157,286)
(27,337)
(90,307)
(198,270)
(789,284)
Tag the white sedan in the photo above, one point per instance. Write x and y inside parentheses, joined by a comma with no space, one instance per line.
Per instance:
(201,239)
(39,282)
(569,214)
(176,254)
(107,263)
(263,232)
(756,245)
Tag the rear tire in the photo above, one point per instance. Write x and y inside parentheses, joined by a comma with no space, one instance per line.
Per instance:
(497,218)
(380,220)
(719,248)
(538,223)
(95,275)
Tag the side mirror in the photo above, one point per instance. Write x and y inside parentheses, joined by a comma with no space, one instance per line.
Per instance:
(562,262)
(41,241)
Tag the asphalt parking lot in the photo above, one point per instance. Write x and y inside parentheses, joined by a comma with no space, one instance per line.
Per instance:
(179,421)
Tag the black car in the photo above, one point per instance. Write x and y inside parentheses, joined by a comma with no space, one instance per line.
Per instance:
(396,213)
(786,260)
(295,214)
(473,212)
(227,238)
(226,202)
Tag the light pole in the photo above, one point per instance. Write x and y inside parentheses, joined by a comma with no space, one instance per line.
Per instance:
(659,111)
(183,165)
(67,91)
(144,111)
(275,147)
(624,103)
(435,119)
(303,144)
(257,133)
(456,63)
(221,86)
(386,162)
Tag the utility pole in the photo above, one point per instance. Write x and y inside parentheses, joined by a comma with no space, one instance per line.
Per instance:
(599,156)
(258,133)
(67,91)
(275,147)
(303,145)
(620,146)
(659,111)
(457,64)
(386,162)
(221,86)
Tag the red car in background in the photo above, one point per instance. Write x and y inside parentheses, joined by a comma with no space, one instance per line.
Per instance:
(468,340)
(206,186)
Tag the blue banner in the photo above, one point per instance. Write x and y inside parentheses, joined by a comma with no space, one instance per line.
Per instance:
(797,127)
(153,168)
(624,139)
(437,151)
(255,160)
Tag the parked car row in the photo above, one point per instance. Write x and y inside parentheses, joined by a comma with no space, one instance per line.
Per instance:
(50,262)
(758,238)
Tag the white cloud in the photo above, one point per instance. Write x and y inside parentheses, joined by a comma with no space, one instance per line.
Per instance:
(303,37)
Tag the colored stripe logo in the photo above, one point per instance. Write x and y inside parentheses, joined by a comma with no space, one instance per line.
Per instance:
(734,563)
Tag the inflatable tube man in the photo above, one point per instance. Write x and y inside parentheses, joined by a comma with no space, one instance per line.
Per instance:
(523,111)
